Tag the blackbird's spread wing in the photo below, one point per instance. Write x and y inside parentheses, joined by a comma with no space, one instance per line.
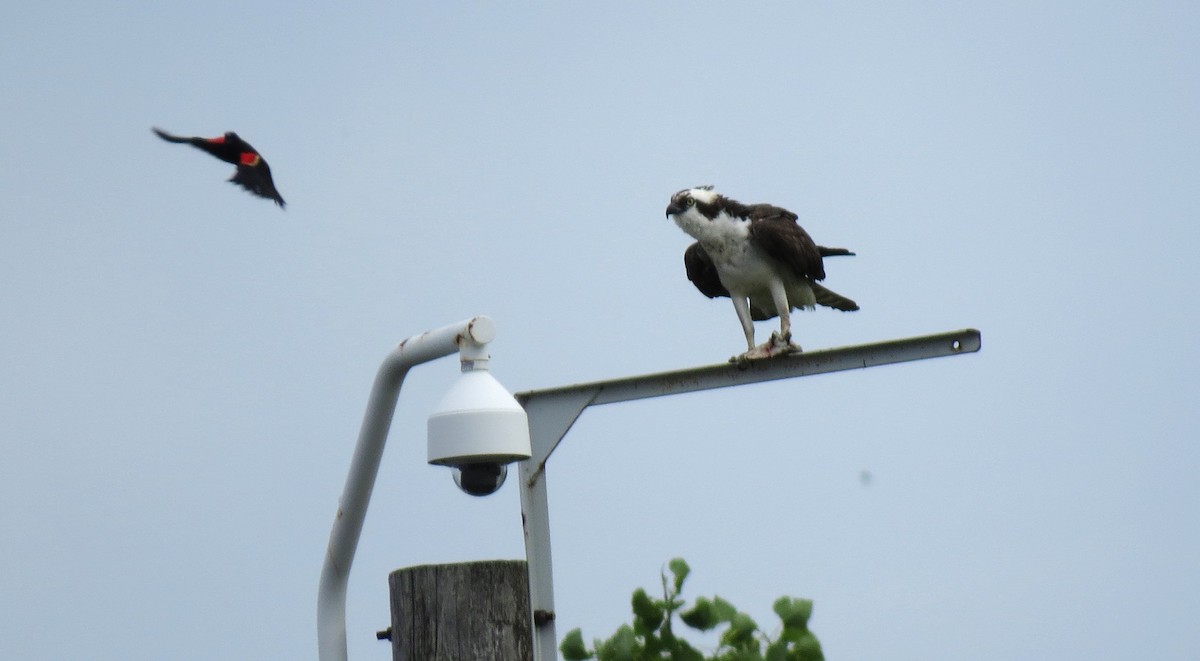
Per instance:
(256,178)
(228,151)
(170,138)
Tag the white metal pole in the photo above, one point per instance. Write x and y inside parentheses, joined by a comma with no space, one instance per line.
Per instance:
(550,417)
(471,334)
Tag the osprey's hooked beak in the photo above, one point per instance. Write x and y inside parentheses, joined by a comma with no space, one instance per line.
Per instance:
(674,208)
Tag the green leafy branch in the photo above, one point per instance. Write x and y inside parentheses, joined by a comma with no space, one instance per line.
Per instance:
(651,637)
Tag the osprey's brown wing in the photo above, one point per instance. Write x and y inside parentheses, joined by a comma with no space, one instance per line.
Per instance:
(702,272)
(769,212)
(778,235)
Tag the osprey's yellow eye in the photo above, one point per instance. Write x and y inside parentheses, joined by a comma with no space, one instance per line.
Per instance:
(691,202)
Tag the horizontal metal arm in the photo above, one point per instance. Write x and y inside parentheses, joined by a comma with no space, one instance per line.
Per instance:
(724,375)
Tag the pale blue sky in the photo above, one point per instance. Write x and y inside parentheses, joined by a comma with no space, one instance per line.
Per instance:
(185,366)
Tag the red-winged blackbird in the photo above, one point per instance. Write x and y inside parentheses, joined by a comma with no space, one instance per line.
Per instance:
(253,173)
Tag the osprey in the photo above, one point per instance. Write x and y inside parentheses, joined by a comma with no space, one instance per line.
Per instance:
(758,256)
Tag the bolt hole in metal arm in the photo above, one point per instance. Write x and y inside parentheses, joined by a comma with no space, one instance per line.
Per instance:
(552,412)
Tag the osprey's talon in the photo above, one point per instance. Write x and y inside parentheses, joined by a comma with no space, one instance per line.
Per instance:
(781,345)
(757,353)
(770,349)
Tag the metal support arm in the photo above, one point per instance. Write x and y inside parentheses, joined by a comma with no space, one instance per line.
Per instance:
(471,335)
(552,412)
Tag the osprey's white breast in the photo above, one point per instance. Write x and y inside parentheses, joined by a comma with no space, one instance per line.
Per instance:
(742,267)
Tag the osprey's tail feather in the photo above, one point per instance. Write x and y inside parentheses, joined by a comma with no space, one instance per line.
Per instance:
(833,252)
(832,299)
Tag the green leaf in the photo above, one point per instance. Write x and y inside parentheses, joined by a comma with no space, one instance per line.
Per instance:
(723,609)
(651,637)
(740,634)
(684,652)
(681,570)
(777,651)
(572,647)
(648,614)
(701,615)
(620,647)
(794,613)
(654,646)
(807,649)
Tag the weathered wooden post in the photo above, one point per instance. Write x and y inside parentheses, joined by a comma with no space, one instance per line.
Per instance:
(473,611)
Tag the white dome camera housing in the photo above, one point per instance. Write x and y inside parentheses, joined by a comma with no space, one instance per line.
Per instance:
(478,428)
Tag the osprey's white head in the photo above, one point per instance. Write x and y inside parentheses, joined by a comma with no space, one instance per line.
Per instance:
(689,197)
(700,212)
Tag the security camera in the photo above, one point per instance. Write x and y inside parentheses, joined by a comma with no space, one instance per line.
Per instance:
(480,479)
(477,429)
